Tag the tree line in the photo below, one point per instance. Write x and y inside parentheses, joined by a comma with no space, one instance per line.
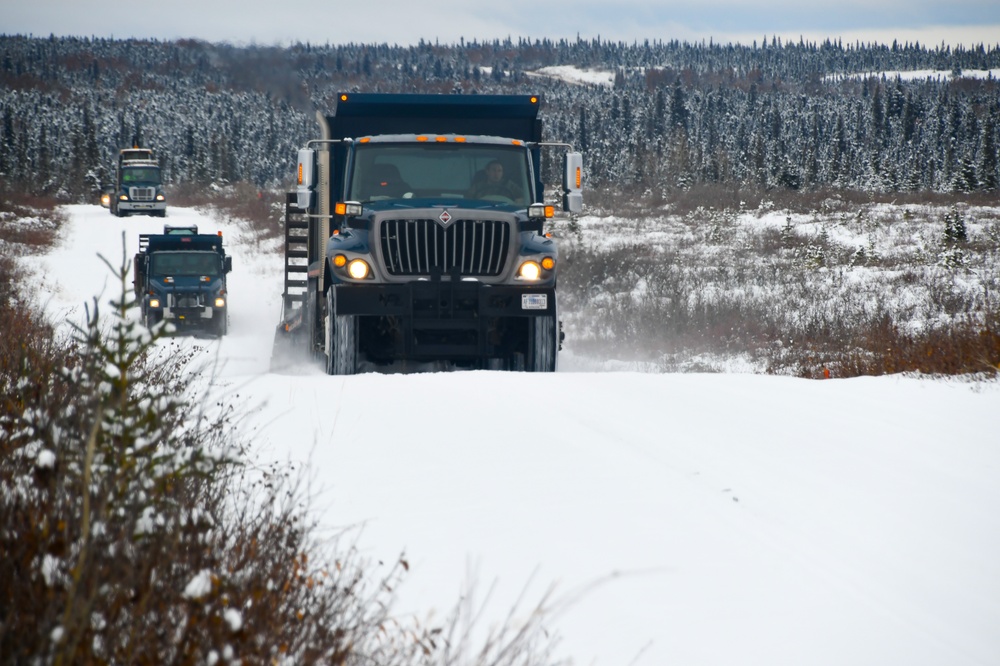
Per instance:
(671,114)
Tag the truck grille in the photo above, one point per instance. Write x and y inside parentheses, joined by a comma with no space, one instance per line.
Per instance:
(418,247)
(143,193)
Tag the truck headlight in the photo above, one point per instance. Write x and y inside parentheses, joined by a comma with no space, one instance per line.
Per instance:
(154,302)
(530,270)
(160,197)
(358,269)
(220,302)
(122,197)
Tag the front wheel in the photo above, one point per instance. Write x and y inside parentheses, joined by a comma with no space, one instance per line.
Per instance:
(220,322)
(341,340)
(543,344)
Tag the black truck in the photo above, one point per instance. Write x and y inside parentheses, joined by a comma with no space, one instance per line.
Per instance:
(179,276)
(417,233)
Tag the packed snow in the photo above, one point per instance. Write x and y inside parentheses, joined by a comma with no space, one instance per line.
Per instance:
(709,519)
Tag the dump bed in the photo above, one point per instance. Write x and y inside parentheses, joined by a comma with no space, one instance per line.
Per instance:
(369,114)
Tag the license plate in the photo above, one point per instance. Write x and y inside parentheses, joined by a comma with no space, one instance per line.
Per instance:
(534,301)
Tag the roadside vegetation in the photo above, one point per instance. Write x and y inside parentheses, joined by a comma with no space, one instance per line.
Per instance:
(825,284)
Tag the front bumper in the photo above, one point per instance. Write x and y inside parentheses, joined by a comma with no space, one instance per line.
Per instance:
(443,320)
(142,206)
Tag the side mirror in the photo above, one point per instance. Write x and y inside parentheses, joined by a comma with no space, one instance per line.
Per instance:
(228,264)
(306,178)
(573,183)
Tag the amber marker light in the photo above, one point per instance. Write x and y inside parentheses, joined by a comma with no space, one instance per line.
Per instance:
(548,263)
(340,261)
(340,208)
(441,139)
(421,138)
(343,98)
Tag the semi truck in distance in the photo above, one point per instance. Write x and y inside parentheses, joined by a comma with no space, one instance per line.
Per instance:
(137,187)
(418,233)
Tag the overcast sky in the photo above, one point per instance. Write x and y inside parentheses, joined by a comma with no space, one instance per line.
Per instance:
(405,22)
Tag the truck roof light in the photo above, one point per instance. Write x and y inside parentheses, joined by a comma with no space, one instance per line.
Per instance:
(517,142)
(421,138)
(364,139)
(534,99)
(459,139)
(441,139)
(343,98)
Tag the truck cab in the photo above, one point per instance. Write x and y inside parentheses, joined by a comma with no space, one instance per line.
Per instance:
(418,233)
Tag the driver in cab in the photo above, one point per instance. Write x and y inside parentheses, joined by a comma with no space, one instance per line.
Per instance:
(494,184)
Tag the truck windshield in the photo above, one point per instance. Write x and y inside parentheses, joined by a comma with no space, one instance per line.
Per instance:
(489,172)
(141,175)
(186,263)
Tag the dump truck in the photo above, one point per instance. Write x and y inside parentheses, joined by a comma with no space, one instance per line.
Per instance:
(137,187)
(179,276)
(418,233)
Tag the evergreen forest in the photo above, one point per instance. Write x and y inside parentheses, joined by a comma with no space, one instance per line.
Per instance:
(671,115)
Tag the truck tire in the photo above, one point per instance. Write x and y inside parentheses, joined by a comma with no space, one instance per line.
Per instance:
(341,340)
(543,344)
(220,322)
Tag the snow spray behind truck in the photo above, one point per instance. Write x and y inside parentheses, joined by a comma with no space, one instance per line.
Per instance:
(417,234)
(180,276)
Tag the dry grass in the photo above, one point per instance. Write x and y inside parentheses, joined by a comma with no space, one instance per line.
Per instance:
(837,284)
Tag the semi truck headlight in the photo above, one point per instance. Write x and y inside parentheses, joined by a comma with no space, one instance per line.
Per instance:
(122,197)
(220,302)
(358,269)
(160,197)
(530,270)
(154,302)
